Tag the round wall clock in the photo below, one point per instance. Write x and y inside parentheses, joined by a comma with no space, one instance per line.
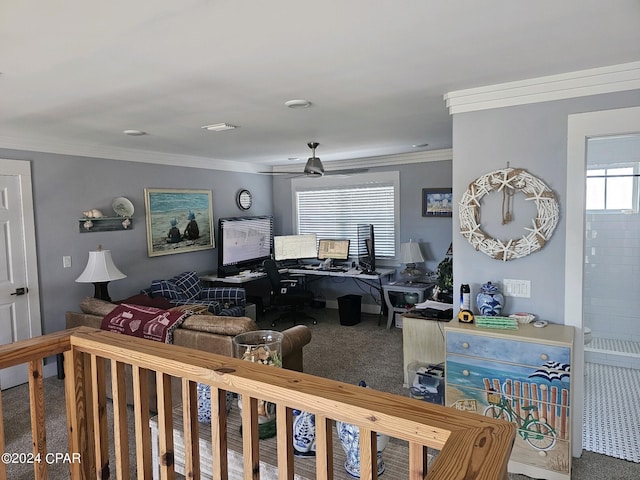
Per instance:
(244,199)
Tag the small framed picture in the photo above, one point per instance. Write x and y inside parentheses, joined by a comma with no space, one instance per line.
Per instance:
(437,202)
(178,220)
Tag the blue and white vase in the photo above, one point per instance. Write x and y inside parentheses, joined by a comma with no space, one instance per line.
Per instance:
(304,433)
(489,300)
(204,402)
(349,436)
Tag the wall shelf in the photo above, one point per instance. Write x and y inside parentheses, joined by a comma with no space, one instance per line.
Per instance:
(104,224)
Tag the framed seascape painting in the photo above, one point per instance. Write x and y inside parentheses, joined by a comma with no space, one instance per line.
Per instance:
(178,220)
(437,202)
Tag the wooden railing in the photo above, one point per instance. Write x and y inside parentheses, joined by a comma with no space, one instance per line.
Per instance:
(471,446)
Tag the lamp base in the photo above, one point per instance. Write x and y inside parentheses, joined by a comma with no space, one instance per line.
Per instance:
(100,291)
(411,273)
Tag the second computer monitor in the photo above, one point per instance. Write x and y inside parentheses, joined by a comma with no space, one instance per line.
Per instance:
(294,247)
(333,249)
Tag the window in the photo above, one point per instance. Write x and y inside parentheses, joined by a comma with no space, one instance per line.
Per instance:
(332,207)
(612,188)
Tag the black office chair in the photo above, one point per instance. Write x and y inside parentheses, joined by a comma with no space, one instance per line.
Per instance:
(287,293)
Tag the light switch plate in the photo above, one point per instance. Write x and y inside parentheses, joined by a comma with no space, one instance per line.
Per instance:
(66,261)
(516,288)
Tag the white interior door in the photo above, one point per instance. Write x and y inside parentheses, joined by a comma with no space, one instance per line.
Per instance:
(19,303)
(581,127)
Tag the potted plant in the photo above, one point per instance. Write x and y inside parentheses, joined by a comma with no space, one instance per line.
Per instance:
(444,288)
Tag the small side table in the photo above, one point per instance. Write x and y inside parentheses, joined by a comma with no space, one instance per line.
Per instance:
(397,289)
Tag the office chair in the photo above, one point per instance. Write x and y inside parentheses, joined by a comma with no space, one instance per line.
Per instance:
(286,292)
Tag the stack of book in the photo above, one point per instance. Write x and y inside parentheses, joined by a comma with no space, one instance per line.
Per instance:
(505,323)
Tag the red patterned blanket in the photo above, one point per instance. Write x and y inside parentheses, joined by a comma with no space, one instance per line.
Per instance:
(144,322)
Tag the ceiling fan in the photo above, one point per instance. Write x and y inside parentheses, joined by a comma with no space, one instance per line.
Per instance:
(314,167)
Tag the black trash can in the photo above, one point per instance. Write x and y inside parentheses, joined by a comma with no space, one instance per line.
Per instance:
(349,309)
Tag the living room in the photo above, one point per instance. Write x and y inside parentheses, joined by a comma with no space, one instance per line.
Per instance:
(531,132)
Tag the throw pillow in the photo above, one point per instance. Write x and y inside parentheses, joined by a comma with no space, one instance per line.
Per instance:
(144,322)
(166,289)
(188,283)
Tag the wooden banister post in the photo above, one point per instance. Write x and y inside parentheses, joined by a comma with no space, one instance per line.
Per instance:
(77,424)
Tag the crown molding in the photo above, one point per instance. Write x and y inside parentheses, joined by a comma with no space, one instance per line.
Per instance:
(378,161)
(595,81)
(124,154)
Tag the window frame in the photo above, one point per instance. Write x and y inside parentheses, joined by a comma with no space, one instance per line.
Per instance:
(635,194)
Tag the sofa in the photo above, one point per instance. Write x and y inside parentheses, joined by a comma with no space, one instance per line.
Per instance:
(206,332)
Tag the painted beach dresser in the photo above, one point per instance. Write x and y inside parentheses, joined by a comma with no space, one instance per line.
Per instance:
(523,376)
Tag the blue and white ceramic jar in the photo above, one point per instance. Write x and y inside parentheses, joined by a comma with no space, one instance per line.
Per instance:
(204,402)
(349,436)
(489,300)
(304,433)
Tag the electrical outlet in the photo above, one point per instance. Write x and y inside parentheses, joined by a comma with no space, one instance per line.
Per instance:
(516,288)
(66,261)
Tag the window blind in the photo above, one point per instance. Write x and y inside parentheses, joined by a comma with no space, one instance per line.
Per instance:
(335,212)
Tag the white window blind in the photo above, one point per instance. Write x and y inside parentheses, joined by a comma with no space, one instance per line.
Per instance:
(334,211)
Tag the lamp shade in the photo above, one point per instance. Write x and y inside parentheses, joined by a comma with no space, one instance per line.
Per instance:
(410,253)
(100,268)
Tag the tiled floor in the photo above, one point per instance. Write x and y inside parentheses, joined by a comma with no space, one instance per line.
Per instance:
(611,421)
(621,353)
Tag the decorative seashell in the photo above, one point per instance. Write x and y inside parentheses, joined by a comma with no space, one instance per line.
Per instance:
(93,213)
(87,225)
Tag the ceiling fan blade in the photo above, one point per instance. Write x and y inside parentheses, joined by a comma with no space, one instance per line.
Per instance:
(346,171)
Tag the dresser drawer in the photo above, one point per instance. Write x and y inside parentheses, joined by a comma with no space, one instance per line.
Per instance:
(518,410)
(525,353)
(509,379)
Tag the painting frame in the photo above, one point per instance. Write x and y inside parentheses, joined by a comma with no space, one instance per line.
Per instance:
(437,202)
(178,220)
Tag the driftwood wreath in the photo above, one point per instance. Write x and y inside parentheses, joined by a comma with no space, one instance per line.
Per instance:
(508,181)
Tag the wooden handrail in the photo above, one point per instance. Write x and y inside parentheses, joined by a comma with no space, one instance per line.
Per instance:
(471,446)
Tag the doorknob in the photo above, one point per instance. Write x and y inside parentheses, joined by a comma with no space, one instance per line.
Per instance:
(20,291)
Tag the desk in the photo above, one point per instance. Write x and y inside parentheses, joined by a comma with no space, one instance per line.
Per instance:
(250,281)
(402,287)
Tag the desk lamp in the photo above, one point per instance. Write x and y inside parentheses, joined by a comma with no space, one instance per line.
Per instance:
(100,270)
(410,254)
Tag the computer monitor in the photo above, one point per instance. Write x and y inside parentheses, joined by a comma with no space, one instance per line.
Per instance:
(294,247)
(243,242)
(333,249)
(366,248)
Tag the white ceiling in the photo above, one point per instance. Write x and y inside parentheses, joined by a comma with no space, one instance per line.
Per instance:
(76,73)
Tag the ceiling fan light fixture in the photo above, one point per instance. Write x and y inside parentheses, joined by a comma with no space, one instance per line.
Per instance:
(314,167)
(219,127)
(298,103)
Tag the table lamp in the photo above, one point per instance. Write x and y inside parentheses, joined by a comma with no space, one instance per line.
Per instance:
(100,270)
(410,254)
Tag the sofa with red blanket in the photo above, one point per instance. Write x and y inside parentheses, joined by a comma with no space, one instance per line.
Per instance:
(206,332)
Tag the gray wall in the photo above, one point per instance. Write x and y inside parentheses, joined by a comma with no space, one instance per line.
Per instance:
(533,137)
(65,186)
(433,234)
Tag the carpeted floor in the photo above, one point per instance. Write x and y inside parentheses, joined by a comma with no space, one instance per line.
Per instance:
(366,351)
